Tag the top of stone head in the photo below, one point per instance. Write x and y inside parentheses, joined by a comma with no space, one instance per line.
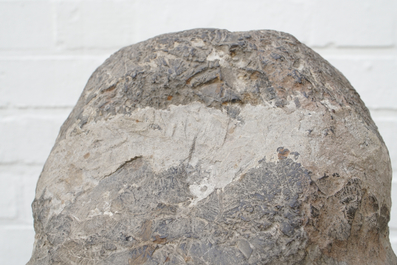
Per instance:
(217,68)
(215,147)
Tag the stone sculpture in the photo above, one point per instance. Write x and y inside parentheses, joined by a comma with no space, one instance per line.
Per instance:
(215,147)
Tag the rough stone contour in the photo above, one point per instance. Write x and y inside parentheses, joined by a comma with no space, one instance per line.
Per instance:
(215,147)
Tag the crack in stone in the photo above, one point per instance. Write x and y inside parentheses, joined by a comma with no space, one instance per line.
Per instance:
(121,166)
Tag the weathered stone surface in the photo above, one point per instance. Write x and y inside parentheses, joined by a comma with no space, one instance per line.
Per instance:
(212,147)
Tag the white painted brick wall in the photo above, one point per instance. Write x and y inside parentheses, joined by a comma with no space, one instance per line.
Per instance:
(28,136)
(26,25)
(48,81)
(18,182)
(16,244)
(352,23)
(95,24)
(8,191)
(49,48)
(291,16)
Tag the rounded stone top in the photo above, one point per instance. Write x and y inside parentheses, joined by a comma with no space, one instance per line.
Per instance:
(215,67)
(215,147)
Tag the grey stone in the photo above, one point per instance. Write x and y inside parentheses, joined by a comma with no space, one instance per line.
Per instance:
(212,147)
(245,248)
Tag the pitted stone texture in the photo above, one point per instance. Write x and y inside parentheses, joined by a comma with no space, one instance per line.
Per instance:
(212,147)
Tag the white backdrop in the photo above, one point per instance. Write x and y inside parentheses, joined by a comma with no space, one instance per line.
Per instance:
(48,49)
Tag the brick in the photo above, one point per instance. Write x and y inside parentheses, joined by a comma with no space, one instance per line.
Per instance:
(29,138)
(95,24)
(355,23)
(25,25)
(8,196)
(48,81)
(236,15)
(16,244)
(372,77)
